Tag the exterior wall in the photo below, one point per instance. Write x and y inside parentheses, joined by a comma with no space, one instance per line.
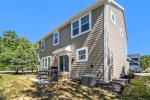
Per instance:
(93,40)
(117,45)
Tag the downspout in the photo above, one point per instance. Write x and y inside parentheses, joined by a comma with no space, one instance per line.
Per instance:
(106,69)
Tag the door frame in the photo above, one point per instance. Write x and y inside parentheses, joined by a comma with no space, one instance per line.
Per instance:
(63,54)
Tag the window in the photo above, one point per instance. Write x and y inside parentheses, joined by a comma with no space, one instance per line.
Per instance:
(46,62)
(113,17)
(43,63)
(49,61)
(121,32)
(42,45)
(82,54)
(85,23)
(75,27)
(81,26)
(56,38)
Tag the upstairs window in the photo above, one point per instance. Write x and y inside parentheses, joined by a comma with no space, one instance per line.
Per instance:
(85,23)
(75,28)
(81,26)
(56,38)
(82,54)
(42,45)
(113,17)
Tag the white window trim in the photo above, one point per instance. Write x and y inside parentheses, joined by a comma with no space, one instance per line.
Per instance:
(42,45)
(43,63)
(86,53)
(72,28)
(112,14)
(80,33)
(54,39)
(47,61)
(121,31)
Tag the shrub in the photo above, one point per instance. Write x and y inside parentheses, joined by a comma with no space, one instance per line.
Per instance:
(137,89)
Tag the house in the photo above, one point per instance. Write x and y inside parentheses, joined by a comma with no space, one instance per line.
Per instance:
(93,42)
(134,62)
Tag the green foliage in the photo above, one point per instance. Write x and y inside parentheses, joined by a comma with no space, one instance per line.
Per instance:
(145,61)
(138,89)
(17,52)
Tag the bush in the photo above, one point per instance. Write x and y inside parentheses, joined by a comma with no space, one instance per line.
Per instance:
(137,89)
(147,70)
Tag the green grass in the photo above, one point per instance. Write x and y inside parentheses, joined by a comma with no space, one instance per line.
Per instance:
(138,89)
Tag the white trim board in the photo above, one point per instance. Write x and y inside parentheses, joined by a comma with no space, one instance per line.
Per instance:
(86,54)
(106,70)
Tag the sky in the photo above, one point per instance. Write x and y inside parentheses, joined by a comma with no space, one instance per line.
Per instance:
(36,18)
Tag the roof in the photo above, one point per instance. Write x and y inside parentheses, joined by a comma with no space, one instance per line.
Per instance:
(63,49)
(90,8)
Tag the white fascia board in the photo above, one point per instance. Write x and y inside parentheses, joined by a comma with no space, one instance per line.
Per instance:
(116,4)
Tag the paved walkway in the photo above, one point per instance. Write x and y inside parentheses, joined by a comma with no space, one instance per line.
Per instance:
(142,74)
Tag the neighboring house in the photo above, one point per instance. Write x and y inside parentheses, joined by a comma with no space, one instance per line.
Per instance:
(92,42)
(134,61)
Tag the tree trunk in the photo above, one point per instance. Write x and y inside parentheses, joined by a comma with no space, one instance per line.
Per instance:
(32,69)
(16,70)
(22,71)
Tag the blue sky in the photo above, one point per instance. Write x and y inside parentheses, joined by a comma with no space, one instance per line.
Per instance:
(35,18)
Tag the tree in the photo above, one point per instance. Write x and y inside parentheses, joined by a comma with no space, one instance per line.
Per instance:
(145,61)
(32,57)
(17,52)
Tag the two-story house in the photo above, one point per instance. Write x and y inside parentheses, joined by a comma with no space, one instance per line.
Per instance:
(94,41)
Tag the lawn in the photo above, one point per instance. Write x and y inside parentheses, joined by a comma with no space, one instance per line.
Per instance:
(11,86)
(21,87)
(16,87)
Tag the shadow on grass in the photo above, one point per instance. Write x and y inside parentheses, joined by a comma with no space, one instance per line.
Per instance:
(2,97)
(63,90)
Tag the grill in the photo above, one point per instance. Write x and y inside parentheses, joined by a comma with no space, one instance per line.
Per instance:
(54,73)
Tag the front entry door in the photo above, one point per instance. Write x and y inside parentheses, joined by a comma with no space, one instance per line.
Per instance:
(64,63)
